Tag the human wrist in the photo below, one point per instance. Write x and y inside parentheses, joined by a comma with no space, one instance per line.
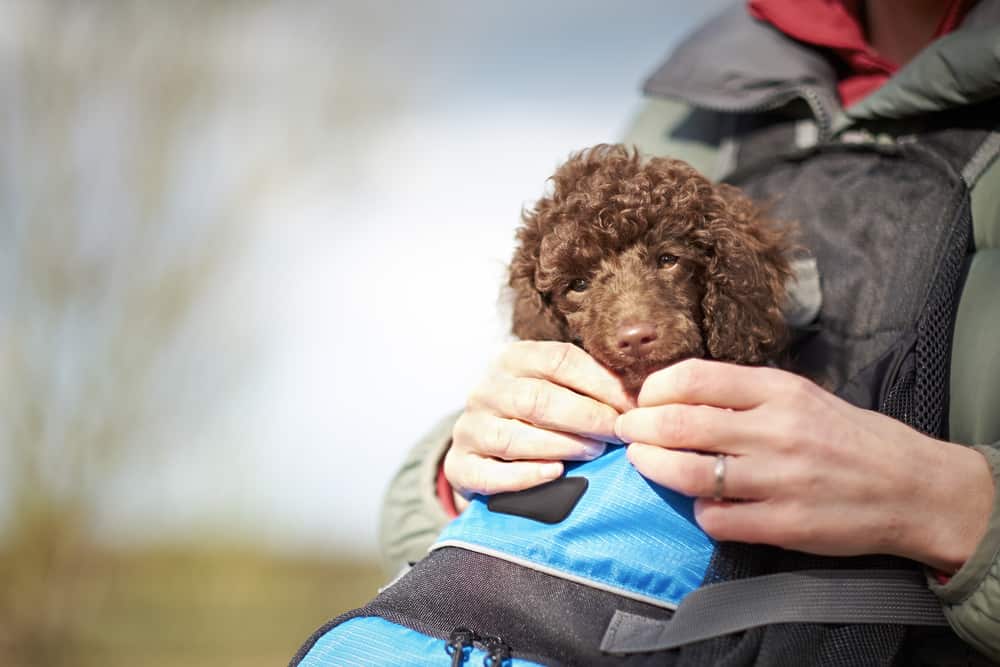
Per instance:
(953,506)
(982,569)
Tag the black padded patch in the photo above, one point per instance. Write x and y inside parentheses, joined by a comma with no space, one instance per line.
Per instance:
(549,503)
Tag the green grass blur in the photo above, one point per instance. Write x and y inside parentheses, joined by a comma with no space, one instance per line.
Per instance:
(183,604)
(140,145)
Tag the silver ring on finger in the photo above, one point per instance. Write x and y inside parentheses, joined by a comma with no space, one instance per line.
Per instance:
(720,477)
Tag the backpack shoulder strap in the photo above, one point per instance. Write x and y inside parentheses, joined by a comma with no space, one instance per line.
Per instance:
(982,159)
(807,596)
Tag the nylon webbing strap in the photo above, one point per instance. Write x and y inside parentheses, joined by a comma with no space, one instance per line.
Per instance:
(982,158)
(809,596)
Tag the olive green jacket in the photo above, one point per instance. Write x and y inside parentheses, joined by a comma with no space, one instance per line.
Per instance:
(958,70)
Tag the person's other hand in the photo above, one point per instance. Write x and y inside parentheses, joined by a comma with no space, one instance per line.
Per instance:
(810,471)
(541,403)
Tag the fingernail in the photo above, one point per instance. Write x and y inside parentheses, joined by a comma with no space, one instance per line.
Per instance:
(550,470)
(593,450)
(628,455)
(618,429)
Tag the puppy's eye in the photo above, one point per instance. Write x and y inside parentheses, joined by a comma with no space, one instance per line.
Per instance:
(666,259)
(579,285)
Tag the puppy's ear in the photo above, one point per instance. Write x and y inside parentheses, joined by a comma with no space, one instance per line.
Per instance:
(534,317)
(746,272)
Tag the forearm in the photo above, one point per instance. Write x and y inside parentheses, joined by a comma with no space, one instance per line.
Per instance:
(411,515)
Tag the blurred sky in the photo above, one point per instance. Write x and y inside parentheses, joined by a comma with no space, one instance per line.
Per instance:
(370,291)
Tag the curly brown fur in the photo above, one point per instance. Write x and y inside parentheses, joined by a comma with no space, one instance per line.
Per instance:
(645,263)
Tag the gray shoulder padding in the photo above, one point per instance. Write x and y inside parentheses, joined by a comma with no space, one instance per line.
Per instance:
(804,294)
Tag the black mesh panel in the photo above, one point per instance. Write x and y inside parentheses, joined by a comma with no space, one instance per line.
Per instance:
(934,335)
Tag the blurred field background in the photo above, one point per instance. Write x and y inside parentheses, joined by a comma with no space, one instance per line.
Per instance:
(249,251)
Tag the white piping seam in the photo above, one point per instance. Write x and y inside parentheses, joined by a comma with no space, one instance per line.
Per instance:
(545,569)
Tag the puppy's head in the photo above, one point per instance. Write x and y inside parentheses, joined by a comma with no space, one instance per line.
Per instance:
(647,263)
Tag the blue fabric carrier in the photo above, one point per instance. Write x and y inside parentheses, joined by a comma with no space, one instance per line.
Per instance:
(626,535)
(368,641)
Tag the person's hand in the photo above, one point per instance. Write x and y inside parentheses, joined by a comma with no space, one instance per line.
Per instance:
(804,469)
(541,403)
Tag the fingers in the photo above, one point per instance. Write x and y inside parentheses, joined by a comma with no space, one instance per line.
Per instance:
(723,385)
(546,405)
(469,474)
(543,402)
(693,474)
(697,427)
(567,365)
(730,521)
(509,440)
(785,524)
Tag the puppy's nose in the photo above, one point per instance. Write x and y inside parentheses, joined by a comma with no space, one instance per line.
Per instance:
(636,337)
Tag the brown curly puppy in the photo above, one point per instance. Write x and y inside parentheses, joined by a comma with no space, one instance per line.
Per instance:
(645,263)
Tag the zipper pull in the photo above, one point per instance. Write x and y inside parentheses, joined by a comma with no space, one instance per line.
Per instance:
(498,653)
(459,645)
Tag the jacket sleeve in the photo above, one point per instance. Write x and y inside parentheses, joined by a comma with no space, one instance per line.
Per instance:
(971,598)
(666,128)
(411,515)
